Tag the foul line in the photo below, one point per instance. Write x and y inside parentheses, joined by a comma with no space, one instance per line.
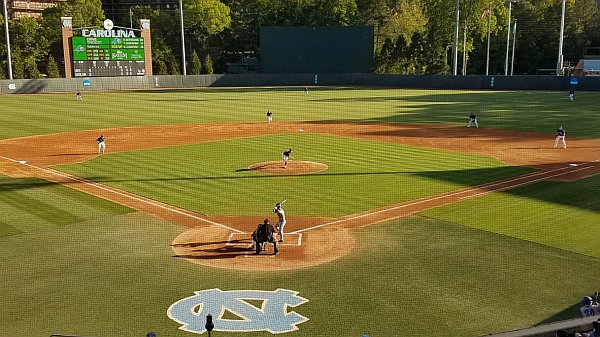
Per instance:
(115,191)
(446,195)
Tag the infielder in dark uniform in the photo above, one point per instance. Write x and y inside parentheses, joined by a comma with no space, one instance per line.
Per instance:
(473,120)
(287,154)
(269,117)
(101,144)
(560,135)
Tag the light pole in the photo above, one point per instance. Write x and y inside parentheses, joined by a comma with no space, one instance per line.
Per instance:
(512,61)
(487,57)
(507,38)
(559,64)
(10,74)
(455,45)
(182,37)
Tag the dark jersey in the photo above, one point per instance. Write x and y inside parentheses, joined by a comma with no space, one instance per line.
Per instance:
(269,114)
(287,153)
(100,139)
(560,132)
(472,116)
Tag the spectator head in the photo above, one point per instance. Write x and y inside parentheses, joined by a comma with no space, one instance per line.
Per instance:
(596,326)
(561,333)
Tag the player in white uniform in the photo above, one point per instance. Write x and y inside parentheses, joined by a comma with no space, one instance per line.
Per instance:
(269,117)
(560,135)
(101,144)
(473,120)
(590,307)
(281,220)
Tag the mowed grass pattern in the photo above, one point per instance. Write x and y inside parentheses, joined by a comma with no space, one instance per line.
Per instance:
(212,178)
(564,215)
(29,205)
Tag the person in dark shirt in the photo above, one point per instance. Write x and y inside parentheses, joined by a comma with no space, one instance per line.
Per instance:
(560,135)
(473,120)
(101,144)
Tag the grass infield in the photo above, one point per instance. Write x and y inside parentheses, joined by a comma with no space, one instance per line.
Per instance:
(212,178)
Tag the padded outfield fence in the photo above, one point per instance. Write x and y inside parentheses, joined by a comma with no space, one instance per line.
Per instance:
(556,83)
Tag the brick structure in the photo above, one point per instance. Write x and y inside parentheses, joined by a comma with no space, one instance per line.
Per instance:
(145,33)
(66,25)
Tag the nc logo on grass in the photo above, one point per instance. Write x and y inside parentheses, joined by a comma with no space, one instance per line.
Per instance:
(239,311)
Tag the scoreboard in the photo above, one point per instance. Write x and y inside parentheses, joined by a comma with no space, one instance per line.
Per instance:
(108,56)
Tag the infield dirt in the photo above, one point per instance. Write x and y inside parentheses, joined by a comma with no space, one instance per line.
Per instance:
(222,241)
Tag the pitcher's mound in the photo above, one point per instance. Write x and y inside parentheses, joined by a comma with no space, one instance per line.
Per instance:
(294,167)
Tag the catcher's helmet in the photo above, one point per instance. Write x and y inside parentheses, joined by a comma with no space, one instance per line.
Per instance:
(587,300)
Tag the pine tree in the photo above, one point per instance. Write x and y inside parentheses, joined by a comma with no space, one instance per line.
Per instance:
(52,68)
(196,65)
(208,65)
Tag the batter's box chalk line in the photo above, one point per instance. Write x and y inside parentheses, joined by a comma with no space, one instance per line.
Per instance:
(243,239)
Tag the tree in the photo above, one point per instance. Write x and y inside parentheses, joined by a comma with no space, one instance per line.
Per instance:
(208,65)
(85,13)
(52,67)
(196,64)
(28,46)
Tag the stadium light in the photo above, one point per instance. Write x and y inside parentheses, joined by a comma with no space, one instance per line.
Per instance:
(508,35)
(487,56)
(559,64)
(182,37)
(455,45)
(10,74)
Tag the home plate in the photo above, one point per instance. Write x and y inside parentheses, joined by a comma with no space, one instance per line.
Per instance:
(22,162)
(573,164)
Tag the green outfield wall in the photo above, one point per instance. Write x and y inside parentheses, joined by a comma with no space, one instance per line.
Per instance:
(556,83)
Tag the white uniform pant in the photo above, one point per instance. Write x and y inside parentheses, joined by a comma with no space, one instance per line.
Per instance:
(280,225)
(101,147)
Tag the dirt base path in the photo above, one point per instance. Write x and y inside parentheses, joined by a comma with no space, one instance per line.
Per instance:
(222,241)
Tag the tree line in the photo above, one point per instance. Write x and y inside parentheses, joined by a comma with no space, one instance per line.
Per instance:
(411,36)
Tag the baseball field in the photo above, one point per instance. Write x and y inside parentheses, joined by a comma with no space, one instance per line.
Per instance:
(401,220)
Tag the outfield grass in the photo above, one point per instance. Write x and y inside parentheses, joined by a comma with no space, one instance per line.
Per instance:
(212,178)
(532,111)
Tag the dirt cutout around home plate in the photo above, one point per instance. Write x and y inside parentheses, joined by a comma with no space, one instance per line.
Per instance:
(222,241)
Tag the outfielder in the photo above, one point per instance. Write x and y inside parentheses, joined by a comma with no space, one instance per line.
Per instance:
(269,117)
(286,157)
(281,220)
(101,144)
(560,135)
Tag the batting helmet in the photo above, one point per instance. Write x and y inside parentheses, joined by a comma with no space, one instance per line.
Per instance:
(587,300)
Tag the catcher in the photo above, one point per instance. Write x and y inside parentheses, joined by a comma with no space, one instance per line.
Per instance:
(262,235)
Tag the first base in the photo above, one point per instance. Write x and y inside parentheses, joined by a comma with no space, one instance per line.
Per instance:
(22,162)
